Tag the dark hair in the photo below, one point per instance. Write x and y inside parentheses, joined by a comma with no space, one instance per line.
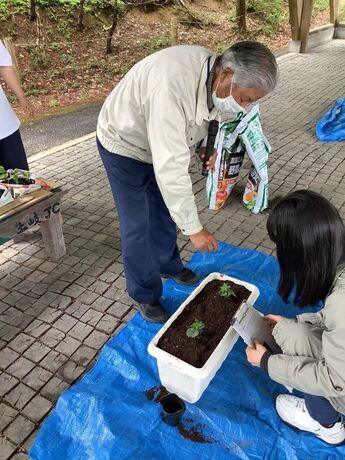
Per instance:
(310,239)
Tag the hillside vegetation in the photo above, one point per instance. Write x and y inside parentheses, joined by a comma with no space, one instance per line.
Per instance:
(72,52)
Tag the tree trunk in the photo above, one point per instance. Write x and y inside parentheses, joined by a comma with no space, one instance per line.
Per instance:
(80,25)
(173,31)
(33,14)
(241,14)
(112,28)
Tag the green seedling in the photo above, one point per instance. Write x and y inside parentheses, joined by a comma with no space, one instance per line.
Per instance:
(226,291)
(15,176)
(195,329)
(3,173)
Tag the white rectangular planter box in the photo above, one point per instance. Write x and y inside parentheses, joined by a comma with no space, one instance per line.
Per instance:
(187,381)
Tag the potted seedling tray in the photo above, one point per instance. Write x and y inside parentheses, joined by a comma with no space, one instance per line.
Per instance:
(194,342)
(18,178)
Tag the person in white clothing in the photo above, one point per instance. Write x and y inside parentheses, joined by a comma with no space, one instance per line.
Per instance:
(12,153)
(146,129)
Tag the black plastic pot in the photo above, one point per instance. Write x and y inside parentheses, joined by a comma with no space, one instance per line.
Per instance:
(172,409)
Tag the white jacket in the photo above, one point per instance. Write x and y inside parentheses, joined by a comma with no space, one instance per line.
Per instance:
(156,114)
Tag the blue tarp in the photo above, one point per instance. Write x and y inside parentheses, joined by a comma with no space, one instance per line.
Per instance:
(106,416)
(331,127)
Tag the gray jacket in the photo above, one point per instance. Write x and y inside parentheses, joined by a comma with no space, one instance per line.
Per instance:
(324,375)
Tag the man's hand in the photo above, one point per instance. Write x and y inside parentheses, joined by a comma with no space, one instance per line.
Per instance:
(212,160)
(254,355)
(204,241)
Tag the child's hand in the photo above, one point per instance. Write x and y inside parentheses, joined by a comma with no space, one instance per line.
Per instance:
(272,320)
(254,355)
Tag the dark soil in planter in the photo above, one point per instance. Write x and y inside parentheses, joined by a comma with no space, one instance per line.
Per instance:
(215,312)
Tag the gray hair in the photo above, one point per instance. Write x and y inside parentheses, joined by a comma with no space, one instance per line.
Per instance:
(254,65)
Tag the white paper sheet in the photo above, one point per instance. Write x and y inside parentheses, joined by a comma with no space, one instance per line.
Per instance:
(250,324)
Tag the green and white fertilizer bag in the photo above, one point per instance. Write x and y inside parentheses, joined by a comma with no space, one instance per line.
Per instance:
(230,154)
(234,139)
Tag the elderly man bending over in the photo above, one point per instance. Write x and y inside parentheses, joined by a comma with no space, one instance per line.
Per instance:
(148,124)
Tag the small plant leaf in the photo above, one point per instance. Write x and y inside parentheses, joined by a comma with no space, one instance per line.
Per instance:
(3,173)
(226,291)
(195,329)
(192,332)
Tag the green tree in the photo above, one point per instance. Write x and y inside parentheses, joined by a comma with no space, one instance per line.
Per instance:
(118,8)
(241,15)
(80,25)
(33,14)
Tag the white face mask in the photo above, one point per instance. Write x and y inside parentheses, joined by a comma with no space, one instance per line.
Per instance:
(227,104)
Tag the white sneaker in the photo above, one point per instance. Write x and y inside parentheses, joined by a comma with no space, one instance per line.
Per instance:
(294,412)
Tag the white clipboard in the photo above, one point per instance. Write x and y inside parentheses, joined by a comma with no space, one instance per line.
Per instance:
(250,324)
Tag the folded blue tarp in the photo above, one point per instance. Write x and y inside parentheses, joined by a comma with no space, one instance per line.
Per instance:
(107,416)
(331,126)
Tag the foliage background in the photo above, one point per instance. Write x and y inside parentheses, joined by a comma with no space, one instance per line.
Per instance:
(63,65)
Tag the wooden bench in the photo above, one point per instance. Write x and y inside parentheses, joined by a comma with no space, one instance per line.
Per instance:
(41,207)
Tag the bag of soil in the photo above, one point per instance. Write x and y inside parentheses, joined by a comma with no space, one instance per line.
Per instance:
(255,197)
(230,154)
(234,139)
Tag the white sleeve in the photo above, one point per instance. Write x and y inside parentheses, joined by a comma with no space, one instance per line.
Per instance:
(5,57)
(166,129)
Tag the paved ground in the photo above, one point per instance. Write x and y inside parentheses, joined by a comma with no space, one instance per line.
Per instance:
(54,130)
(55,317)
